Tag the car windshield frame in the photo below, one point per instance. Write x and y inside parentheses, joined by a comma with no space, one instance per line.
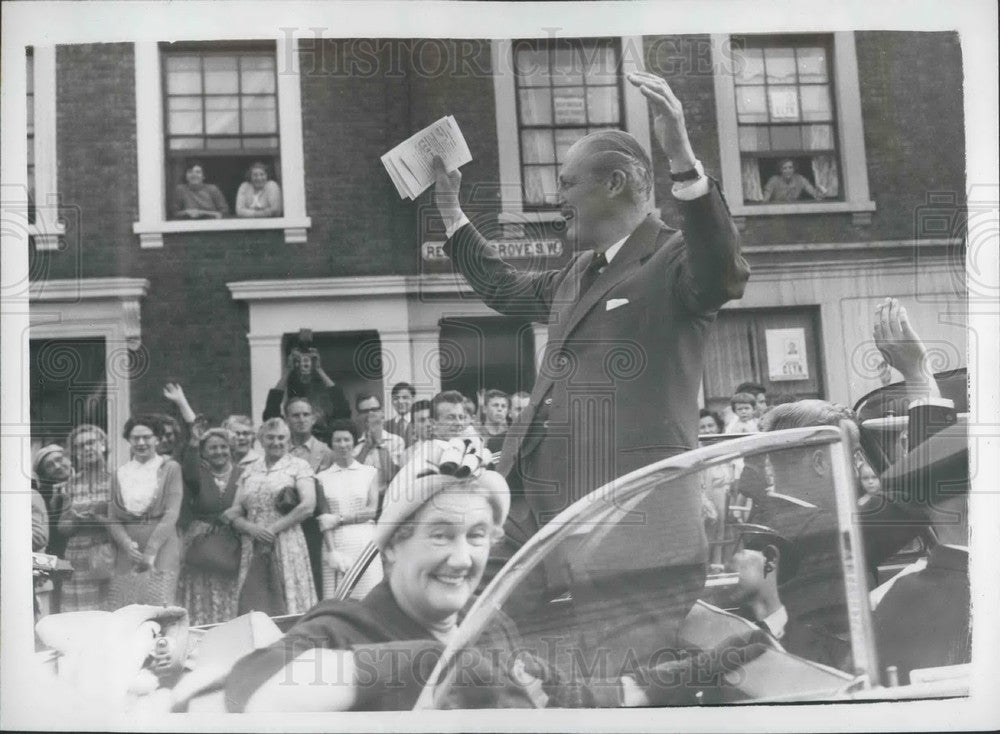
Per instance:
(585,511)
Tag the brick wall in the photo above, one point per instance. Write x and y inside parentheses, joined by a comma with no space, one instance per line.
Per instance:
(360,97)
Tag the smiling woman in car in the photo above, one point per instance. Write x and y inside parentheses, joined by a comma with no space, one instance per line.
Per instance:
(435,534)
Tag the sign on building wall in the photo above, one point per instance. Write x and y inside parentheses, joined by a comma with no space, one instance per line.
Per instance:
(570,110)
(786,355)
(784,103)
(506,249)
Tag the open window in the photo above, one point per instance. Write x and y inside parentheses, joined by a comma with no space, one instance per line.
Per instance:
(792,102)
(224,105)
(220,110)
(549,93)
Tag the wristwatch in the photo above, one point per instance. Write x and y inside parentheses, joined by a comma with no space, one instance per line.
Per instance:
(690,175)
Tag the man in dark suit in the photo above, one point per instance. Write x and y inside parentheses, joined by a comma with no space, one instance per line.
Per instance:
(766,561)
(922,620)
(403,395)
(627,316)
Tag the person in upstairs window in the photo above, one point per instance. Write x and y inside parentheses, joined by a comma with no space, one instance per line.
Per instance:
(258,196)
(195,199)
(789,185)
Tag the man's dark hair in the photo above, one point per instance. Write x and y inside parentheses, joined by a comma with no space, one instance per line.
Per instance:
(751,387)
(490,394)
(403,387)
(366,396)
(452,397)
(343,424)
(418,406)
(299,399)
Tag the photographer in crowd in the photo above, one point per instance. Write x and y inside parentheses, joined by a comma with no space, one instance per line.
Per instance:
(304,377)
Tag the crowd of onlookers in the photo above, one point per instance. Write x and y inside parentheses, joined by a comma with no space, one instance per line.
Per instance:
(215,518)
(225,518)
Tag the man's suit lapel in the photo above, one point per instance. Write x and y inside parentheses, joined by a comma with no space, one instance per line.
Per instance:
(640,245)
(569,308)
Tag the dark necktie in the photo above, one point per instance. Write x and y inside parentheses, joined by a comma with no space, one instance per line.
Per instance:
(592,271)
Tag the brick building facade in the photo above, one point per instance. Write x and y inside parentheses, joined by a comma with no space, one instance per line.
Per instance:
(141,299)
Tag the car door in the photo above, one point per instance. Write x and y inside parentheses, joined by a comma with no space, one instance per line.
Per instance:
(635,609)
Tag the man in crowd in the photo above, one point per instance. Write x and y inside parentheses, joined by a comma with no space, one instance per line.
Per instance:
(377,447)
(495,426)
(633,285)
(518,403)
(921,619)
(765,561)
(446,419)
(402,395)
(301,418)
(420,421)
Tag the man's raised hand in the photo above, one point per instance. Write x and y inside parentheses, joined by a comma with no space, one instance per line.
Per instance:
(446,186)
(668,119)
(898,342)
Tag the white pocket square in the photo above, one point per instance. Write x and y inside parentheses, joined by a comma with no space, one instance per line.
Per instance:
(613,303)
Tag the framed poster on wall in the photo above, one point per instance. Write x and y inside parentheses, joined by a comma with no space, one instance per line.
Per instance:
(786,355)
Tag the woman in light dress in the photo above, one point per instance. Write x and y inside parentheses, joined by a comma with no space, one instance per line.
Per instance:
(255,514)
(351,489)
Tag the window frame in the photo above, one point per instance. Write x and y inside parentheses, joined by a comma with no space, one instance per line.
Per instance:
(846,99)
(151,141)
(635,121)
(550,45)
(48,227)
(203,51)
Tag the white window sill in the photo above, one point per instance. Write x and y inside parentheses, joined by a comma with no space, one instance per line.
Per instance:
(860,209)
(47,237)
(151,233)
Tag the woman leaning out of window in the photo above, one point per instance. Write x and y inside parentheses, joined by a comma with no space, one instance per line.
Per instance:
(195,199)
(258,196)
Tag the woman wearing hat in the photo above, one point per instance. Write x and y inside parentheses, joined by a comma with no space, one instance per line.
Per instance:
(435,534)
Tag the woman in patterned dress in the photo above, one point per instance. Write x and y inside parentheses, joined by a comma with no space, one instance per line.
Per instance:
(210,481)
(351,490)
(146,496)
(83,523)
(255,515)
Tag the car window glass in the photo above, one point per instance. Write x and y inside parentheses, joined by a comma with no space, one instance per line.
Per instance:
(740,558)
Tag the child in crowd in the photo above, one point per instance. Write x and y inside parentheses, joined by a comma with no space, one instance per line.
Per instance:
(743,404)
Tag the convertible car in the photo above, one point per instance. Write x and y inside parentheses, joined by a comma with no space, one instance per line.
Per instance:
(623,583)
